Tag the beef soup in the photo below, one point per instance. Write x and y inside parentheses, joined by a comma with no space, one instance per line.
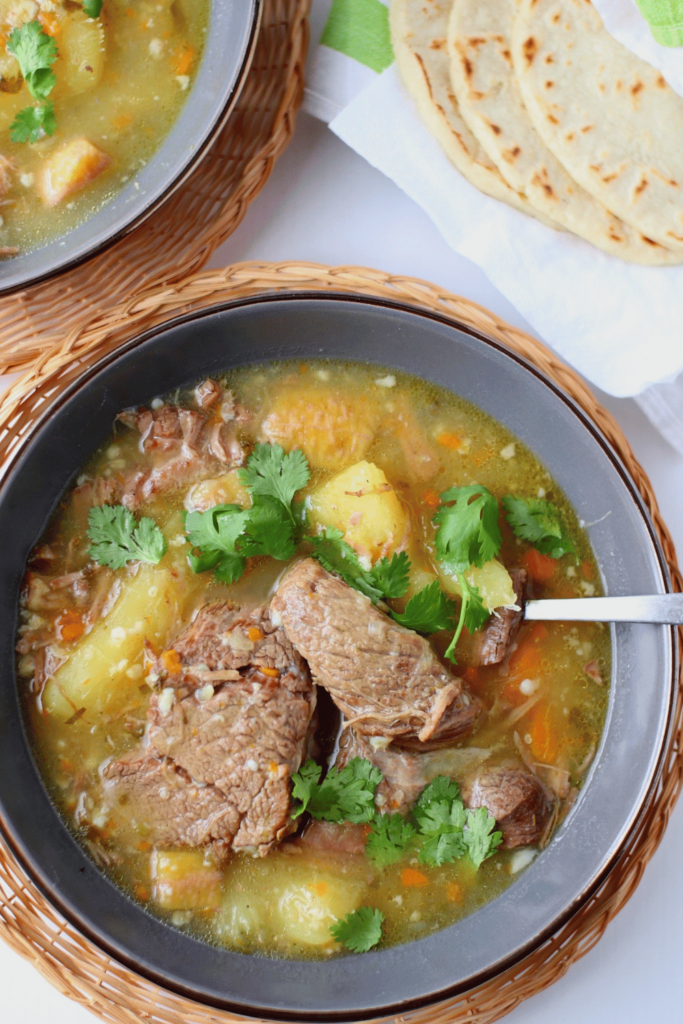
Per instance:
(274,663)
(87,94)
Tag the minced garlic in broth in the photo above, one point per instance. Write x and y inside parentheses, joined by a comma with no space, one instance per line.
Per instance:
(144,58)
(546,704)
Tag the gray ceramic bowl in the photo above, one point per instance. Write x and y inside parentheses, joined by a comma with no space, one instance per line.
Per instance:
(642,686)
(228,49)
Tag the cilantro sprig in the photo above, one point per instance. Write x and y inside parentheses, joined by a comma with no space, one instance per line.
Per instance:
(388,578)
(439,826)
(223,537)
(538,521)
(468,534)
(118,538)
(389,839)
(360,930)
(271,474)
(35,52)
(31,123)
(346,794)
(428,611)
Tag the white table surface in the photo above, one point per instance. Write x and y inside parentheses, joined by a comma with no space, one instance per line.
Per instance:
(323,203)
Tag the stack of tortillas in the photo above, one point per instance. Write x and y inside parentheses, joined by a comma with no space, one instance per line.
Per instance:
(537,105)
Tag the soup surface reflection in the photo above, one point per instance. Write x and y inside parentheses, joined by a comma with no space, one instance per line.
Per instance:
(171,700)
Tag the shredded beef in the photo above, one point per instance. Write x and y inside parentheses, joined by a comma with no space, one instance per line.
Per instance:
(385,679)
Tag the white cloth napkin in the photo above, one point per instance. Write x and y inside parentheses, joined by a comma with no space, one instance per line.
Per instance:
(619,324)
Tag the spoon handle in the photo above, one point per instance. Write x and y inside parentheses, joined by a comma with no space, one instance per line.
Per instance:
(664,608)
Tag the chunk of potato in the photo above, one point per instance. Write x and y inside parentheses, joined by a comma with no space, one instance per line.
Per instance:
(492,580)
(82,53)
(287,900)
(185,880)
(104,670)
(361,503)
(331,430)
(71,168)
(222,490)
(308,906)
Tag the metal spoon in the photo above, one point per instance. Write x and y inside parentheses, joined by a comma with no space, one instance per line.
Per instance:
(666,608)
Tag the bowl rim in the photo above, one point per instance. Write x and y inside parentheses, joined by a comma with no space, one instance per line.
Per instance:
(230,94)
(14,465)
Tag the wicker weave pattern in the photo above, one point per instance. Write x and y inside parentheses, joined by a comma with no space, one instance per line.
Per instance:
(28,923)
(213,201)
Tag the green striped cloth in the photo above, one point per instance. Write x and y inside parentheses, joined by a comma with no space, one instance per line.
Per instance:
(360,29)
(665,18)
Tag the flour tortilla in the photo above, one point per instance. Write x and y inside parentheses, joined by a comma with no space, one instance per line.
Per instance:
(484,82)
(418,33)
(608,117)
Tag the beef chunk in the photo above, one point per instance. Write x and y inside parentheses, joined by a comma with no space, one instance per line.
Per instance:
(384,678)
(517,800)
(328,837)
(238,732)
(503,626)
(223,639)
(167,803)
(246,740)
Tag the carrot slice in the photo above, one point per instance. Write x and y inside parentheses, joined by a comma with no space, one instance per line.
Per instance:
(413,878)
(540,567)
(546,740)
(452,441)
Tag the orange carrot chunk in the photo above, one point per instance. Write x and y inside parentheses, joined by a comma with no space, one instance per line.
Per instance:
(413,877)
(540,567)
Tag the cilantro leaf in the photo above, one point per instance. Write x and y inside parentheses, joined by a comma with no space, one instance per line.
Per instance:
(360,930)
(442,848)
(538,521)
(389,838)
(388,578)
(35,51)
(224,536)
(271,473)
(117,538)
(428,611)
(440,788)
(346,794)
(93,8)
(303,783)
(441,817)
(268,530)
(468,532)
(473,613)
(335,555)
(32,123)
(391,577)
(214,535)
(479,837)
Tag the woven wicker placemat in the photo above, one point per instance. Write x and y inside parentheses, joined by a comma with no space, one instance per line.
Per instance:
(35,930)
(181,236)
